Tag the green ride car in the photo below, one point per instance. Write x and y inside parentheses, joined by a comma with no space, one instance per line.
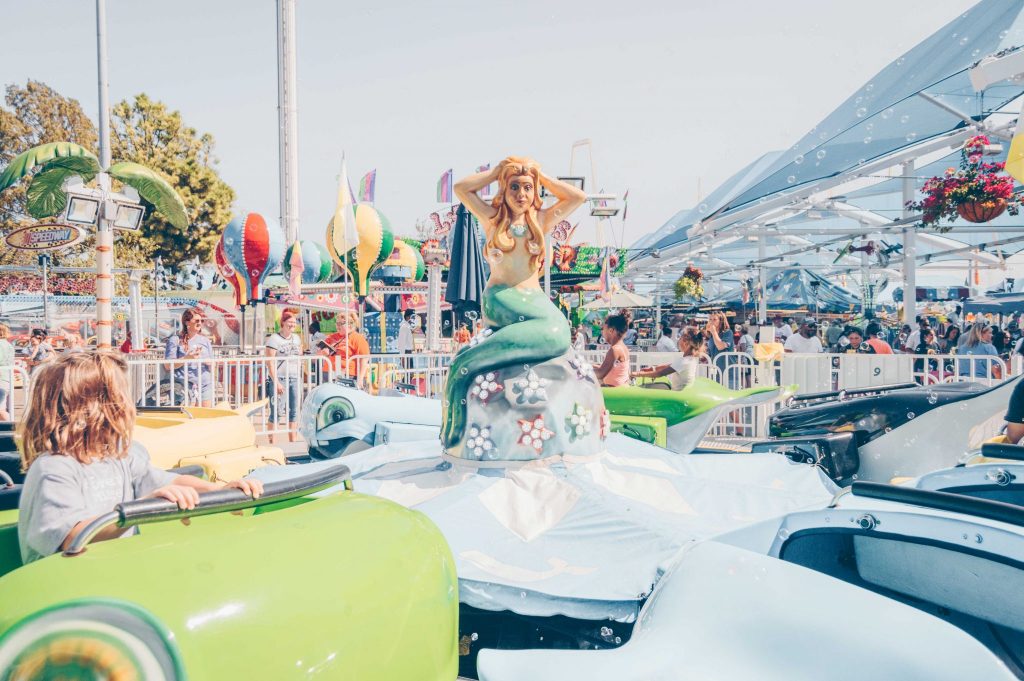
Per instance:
(288,586)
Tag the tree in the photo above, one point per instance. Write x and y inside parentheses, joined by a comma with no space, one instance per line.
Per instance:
(36,114)
(142,131)
(146,132)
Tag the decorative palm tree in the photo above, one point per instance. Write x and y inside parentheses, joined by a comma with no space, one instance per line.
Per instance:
(57,162)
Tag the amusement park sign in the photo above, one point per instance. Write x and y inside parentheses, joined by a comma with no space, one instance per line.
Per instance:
(44,237)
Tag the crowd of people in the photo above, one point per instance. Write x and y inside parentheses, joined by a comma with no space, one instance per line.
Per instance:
(968,347)
(64,285)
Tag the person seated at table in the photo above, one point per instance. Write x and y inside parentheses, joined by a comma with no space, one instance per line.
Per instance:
(682,370)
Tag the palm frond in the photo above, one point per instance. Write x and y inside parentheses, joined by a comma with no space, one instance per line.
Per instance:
(23,163)
(46,195)
(153,188)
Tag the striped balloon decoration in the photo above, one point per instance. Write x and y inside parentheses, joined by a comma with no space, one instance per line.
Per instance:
(316,262)
(255,247)
(225,270)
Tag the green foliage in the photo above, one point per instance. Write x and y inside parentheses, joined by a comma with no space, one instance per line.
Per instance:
(46,196)
(143,132)
(148,133)
(153,189)
(33,115)
(24,162)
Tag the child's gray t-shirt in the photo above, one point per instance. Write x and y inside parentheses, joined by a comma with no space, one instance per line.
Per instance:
(61,492)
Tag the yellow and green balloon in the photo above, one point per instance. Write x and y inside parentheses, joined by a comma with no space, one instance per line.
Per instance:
(375,240)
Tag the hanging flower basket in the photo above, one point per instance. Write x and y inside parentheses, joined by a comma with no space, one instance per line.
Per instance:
(981,211)
(976,191)
(689,285)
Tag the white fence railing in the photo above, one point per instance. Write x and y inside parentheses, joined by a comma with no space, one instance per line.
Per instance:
(241,380)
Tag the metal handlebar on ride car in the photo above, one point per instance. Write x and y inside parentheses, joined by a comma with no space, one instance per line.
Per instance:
(1002,450)
(143,511)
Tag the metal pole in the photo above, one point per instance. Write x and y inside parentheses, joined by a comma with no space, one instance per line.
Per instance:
(44,262)
(433,307)
(657,301)
(762,274)
(157,264)
(288,133)
(135,308)
(104,231)
(909,259)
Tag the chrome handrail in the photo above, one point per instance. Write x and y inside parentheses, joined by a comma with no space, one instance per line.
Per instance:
(142,511)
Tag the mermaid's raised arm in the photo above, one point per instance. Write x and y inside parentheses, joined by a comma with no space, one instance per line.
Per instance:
(569,199)
(466,189)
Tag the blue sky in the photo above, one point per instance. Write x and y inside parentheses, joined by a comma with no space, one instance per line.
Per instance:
(669,92)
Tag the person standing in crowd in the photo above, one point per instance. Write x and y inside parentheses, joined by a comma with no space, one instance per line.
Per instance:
(614,370)
(719,338)
(75,343)
(681,371)
(746,342)
(782,331)
(926,346)
(854,343)
(191,344)
(349,350)
(41,351)
(950,340)
(284,384)
(404,343)
(879,346)
(461,336)
(585,335)
(577,340)
(833,332)
(915,336)
(316,336)
(978,343)
(805,340)
(665,342)
(6,372)
(631,334)
(954,316)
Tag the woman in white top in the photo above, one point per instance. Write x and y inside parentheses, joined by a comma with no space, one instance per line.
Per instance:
(682,370)
(283,385)
(6,371)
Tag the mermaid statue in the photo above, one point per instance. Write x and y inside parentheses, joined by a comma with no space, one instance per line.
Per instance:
(514,393)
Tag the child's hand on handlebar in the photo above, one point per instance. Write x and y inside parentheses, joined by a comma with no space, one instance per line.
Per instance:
(252,487)
(185,497)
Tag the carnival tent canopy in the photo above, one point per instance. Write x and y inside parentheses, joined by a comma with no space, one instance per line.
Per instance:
(618,300)
(834,201)
(996,303)
(794,289)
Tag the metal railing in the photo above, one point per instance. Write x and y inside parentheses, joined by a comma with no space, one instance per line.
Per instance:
(241,380)
(237,381)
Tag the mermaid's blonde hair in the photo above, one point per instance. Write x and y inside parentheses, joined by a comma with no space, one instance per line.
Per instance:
(501,238)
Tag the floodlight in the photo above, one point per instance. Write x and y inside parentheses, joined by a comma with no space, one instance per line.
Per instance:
(83,210)
(574,181)
(128,216)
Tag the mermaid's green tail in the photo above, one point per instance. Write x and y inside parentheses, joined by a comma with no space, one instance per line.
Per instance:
(526,329)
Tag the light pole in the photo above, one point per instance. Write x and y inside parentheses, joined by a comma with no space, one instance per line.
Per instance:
(44,263)
(104,228)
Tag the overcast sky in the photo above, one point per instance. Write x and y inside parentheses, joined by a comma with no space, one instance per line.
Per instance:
(670,93)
